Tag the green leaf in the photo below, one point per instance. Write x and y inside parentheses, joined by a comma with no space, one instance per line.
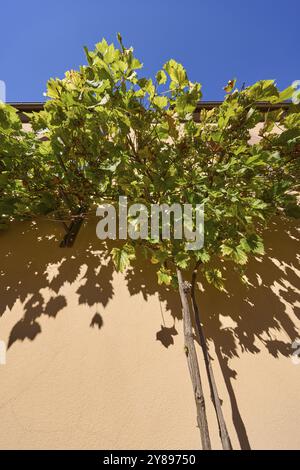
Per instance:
(160,101)
(136,64)
(164,276)
(54,88)
(147,86)
(253,243)
(161,77)
(182,260)
(239,256)
(173,131)
(226,250)
(202,255)
(177,73)
(255,160)
(185,104)
(102,46)
(263,90)
(110,54)
(285,94)
(215,277)
(159,256)
(122,257)
(259,249)
(257,204)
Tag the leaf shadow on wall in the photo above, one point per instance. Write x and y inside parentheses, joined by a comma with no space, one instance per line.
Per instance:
(34,272)
(255,312)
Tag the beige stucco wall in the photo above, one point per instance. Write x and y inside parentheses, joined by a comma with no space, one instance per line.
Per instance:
(96,360)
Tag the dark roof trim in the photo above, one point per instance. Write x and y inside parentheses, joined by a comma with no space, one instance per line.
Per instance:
(262,106)
(28,107)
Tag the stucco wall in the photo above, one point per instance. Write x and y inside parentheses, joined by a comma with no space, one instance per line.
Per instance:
(95,359)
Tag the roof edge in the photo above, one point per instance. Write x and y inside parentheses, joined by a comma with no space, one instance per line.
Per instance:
(263,106)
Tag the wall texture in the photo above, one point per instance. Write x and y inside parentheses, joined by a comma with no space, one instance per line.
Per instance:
(95,359)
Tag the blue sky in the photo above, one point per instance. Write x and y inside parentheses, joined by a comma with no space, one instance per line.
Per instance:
(216,40)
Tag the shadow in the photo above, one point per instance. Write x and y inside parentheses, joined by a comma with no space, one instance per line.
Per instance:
(97,321)
(141,278)
(256,313)
(165,335)
(34,269)
(54,305)
(238,423)
(266,307)
(23,330)
(260,309)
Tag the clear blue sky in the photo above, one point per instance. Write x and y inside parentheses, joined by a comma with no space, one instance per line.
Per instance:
(216,40)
